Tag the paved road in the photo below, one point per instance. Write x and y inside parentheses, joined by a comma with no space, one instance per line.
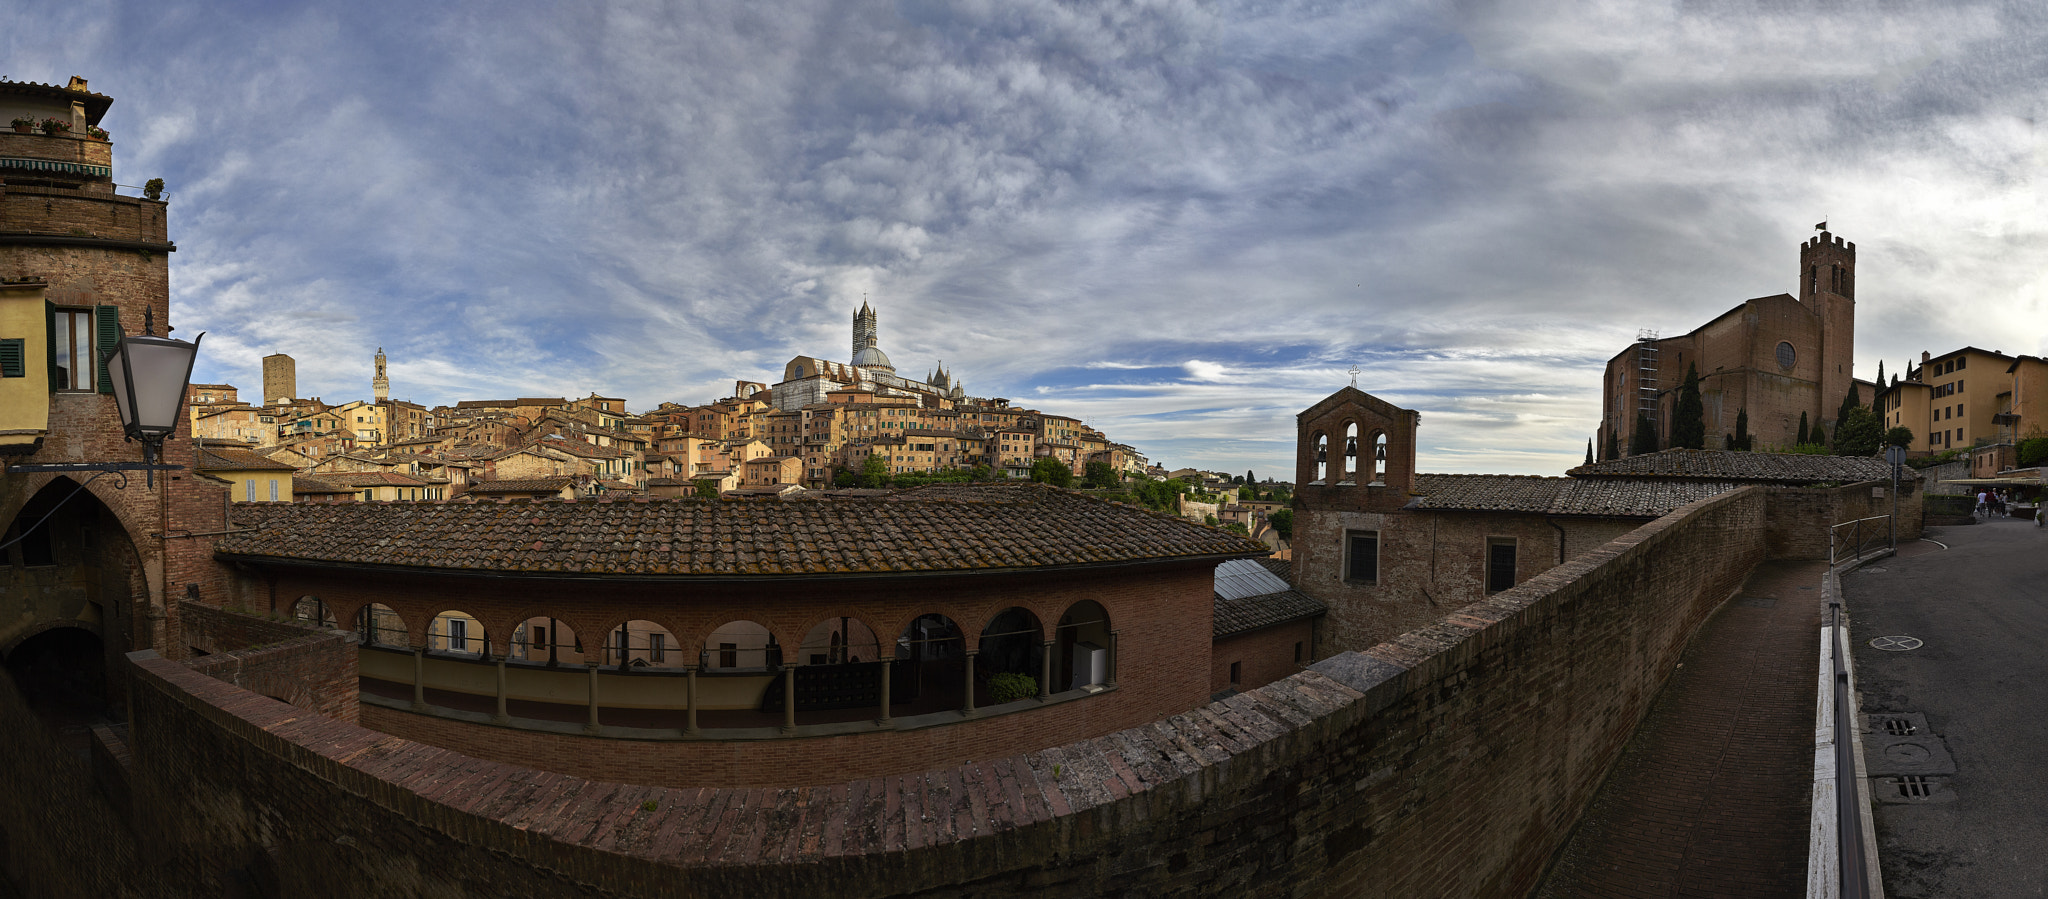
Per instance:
(1981,608)
(1710,798)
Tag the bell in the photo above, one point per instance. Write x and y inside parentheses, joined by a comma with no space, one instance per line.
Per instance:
(1322,454)
(1350,447)
(1380,452)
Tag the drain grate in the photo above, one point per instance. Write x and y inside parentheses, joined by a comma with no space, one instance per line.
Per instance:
(1914,786)
(1897,726)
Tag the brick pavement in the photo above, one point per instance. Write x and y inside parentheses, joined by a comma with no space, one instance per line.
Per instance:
(1711,796)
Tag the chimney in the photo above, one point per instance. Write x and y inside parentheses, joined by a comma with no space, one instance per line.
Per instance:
(1924,356)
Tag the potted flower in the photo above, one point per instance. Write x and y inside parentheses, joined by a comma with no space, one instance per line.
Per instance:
(24,125)
(55,126)
(96,132)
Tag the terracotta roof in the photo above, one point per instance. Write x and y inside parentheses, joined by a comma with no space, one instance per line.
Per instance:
(1606,497)
(528,485)
(372,479)
(1720,465)
(1249,596)
(953,529)
(224,458)
(310,484)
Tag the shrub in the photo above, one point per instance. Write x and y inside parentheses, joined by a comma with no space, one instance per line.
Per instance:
(1011,687)
(2033,451)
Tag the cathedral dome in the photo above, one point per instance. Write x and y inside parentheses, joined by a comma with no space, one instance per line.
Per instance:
(873,357)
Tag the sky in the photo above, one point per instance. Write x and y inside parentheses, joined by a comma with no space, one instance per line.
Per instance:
(1181,222)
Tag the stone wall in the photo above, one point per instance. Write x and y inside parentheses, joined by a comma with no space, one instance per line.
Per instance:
(1452,761)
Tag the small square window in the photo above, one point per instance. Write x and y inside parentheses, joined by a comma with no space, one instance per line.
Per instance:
(1362,557)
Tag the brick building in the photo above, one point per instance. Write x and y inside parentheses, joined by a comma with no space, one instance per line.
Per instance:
(1775,357)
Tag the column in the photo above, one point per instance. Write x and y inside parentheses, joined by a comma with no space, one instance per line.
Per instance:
(591,727)
(501,717)
(1045,683)
(788,700)
(554,640)
(888,670)
(690,701)
(967,708)
(419,679)
(1112,660)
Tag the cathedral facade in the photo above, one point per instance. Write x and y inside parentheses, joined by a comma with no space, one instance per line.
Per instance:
(806,380)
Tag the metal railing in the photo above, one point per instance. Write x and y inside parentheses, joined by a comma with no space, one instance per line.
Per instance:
(1851,539)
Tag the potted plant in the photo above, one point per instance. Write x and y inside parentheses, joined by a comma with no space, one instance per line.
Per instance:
(55,126)
(96,132)
(24,124)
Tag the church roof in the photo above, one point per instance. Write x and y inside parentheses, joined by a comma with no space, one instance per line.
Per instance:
(1593,497)
(873,357)
(1775,468)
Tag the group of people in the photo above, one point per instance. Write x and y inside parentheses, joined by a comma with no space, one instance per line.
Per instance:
(1996,501)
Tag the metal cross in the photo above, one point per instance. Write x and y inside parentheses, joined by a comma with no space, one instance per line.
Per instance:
(1354,374)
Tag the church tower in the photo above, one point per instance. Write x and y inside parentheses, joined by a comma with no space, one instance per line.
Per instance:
(1827,285)
(864,330)
(381,385)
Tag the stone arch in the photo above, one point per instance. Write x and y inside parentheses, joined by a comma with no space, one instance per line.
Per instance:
(1319,445)
(650,643)
(741,645)
(69,547)
(1012,642)
(932,648)
(61,672)
(312,611)
(1378,463)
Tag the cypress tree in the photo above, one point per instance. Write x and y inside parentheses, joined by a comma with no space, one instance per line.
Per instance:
(1849,401)
(1611,449)
(1880,376)
(1741,441)
(1688,419)
(1645,439)
(1801,441)
(1589,451)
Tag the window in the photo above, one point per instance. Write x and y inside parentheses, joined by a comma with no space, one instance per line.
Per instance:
(458,635)
(728,655)
(1362,557)
(249,490)
(1962,363)
(1236,673)
(71,349)
(13,362)
(1500,564)
(540,636)
(1297,652)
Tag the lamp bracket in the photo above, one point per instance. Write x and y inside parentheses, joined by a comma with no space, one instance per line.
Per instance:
(91,466)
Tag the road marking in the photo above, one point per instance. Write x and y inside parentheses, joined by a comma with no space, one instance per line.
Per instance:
(1898,643)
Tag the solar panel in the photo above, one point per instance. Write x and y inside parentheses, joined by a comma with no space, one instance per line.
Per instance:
(1244,578)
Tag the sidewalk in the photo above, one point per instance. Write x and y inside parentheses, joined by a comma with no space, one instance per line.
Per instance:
(1710,797)
(1980,609)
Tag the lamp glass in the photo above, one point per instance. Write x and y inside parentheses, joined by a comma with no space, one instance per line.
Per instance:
(157,369)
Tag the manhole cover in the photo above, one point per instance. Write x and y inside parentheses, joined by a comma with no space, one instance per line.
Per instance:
(1896,643)
(1906,753)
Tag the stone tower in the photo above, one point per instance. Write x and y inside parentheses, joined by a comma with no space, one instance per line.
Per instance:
(280,379)
(864,330)
(1827,285)
(381,385)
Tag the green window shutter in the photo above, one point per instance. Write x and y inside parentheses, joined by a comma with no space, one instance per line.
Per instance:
(50,342)
(106,321)
(12,365)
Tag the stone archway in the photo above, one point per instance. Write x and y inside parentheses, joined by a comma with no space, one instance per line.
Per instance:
(68,564)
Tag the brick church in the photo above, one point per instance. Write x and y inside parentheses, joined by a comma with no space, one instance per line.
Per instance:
(1776,357)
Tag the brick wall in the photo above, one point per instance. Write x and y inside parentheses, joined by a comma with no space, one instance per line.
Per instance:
(310,668)
(1452,761)
(1799,518)
(1262,656)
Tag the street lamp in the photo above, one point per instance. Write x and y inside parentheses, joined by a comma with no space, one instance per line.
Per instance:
(150,374)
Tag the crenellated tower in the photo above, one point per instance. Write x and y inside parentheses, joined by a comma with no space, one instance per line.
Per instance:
(1827,285)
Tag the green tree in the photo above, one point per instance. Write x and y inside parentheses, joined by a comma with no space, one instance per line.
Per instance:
(1899,437)
(1859,433)
(1850,400)
(1238,526)
(707,489)
(2033,451)
(842,477)
(1247,493)
(874,471)
(1611,449)
(1645,439)
(1689,419)
(1282,521)
(1742,439)
(1589,451)
(1802,440)
(1048,470)
(1101,475)
(1880,381)
(1209,520)
(1251,479)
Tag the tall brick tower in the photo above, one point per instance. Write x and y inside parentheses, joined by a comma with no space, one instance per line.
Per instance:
(280,379)
(1827,285)
(381,385)
(864,331)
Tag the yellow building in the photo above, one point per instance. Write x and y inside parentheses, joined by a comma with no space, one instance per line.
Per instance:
(251,478)
(1950,401)
(24,372)
(2023,407)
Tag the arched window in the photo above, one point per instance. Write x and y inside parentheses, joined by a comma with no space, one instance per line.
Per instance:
(742,646)
(1379,457)
(643,644)
(1081,647)
(309,610)
(1012,644)
(378,625)
(839,641)
(459,634)
(1322,448)
(1347,467)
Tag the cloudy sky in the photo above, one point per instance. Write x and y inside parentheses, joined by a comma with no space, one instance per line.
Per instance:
(1183,222)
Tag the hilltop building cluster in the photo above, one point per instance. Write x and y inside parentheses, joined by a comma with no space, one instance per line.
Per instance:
(822,419)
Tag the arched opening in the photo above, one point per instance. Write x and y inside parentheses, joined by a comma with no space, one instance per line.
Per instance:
(378,625)
(1347,467)
(1379,457)
(548,640)
(1322,446)
(62,673)
(1012,658)
(459,634)
(931,656)
(643,644)
(741,646)
(1082,647)
(839,641)
(313,612)
(68,561)
(839,678)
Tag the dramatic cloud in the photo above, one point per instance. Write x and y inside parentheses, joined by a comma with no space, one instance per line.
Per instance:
(1181,221)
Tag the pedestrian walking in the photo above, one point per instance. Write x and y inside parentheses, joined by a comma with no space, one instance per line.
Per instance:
(1984,503)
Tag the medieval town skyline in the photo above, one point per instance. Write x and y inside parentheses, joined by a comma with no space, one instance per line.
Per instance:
(1181,224)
